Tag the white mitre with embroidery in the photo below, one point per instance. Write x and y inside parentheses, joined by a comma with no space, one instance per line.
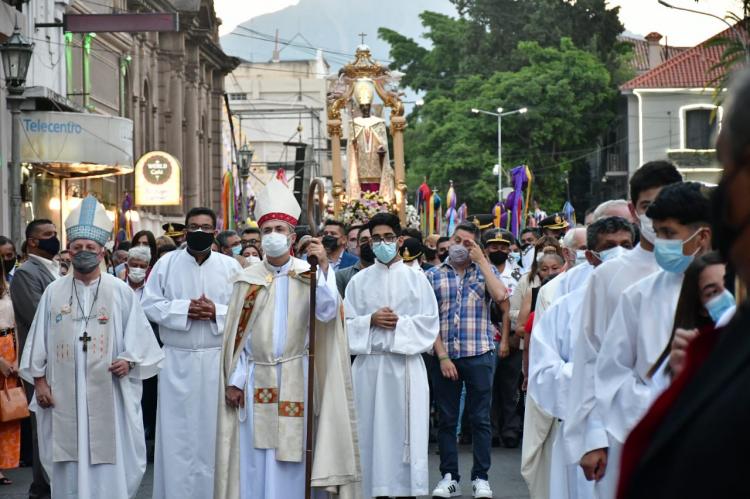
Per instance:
(89,220)
(277,202)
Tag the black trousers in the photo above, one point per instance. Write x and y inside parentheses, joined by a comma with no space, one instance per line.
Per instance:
(506,420)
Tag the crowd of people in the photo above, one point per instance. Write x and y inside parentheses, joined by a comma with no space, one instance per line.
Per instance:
(612,352)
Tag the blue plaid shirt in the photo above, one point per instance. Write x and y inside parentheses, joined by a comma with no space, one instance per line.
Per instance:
(464,306)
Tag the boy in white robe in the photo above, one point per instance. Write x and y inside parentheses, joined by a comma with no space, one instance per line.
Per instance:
(584,429)
(88,349)
(550,363)
(392,318)
(642,323)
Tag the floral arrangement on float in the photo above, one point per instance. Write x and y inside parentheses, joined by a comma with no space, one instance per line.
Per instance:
(359,211)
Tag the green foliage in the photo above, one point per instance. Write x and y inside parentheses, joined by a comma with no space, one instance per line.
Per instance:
(568,92)
(559,58)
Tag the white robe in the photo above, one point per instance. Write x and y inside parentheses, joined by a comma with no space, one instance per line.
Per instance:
(133,340)
(584,428)
(261,474)
(389,377)
(189,379)
(550,370)
(638,333)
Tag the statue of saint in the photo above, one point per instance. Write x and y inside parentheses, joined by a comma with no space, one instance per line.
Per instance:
(370,167)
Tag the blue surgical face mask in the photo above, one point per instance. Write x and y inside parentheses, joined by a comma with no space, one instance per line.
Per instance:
(385,252)
(611,253)
(669,254)
(719,304)
(237,250)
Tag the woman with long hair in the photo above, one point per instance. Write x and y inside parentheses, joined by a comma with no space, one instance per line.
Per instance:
(703,301)
(10,433)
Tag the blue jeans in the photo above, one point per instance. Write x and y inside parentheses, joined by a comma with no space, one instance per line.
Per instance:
(476,373)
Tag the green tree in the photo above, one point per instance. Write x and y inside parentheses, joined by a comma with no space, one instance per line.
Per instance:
(569,93)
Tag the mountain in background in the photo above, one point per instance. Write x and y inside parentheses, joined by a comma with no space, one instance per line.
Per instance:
(331,25)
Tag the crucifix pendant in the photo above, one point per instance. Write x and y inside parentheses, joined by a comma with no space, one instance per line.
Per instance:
(85,339)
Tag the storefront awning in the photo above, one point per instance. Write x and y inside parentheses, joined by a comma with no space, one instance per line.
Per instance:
(77,144)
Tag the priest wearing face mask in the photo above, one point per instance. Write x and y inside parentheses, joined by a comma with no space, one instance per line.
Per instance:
(263,371)
(186,294)
(392,318)
(89,347)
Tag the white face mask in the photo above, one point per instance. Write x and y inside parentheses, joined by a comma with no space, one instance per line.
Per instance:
(253,259)
(275,244)
(647,228)
(581,257)
(137,275)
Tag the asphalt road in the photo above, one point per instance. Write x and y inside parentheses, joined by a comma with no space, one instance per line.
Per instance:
(505,477)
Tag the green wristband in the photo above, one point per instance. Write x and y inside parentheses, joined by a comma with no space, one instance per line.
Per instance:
(444,357)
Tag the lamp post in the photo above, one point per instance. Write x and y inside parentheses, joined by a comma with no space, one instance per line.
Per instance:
(736,33)
(499,114)
(16,55)
(246,159)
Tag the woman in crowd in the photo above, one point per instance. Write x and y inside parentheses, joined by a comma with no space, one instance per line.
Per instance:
(146,238)
(10,433)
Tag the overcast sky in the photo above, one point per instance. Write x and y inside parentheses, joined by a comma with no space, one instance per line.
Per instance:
(638,16)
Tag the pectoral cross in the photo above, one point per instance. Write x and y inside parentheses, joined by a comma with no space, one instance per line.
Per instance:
(85,339)
(362,36)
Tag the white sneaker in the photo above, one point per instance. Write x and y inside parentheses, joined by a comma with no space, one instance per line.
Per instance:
(447,487)
(481,488)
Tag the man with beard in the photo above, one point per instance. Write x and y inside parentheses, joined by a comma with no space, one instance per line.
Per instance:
(366,258)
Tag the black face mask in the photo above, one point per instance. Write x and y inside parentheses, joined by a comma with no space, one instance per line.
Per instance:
(443,256)
(498,257)
(8,265)
(723,234)
(366,254)
(330,243)
(199,241)
(51,245)
(429,253)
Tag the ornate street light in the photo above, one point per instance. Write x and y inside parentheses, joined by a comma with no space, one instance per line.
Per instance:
(246,158)
(16,55)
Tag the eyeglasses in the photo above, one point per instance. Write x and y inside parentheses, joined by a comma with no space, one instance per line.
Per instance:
(389,238)
(204,227)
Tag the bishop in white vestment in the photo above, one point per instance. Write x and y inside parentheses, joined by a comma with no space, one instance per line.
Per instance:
(262,421)
(189,379)
(88,349)
(390,378)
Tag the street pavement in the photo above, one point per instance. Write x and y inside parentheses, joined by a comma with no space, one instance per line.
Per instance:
(505,476)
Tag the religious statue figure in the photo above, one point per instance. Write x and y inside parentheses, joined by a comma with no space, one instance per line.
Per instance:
(370,168)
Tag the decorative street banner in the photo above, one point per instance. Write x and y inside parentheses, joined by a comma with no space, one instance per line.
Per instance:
(157,180)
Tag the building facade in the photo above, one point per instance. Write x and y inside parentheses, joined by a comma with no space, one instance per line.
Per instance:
(168,86)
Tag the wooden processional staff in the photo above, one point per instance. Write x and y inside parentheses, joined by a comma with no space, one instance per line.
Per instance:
(313,222)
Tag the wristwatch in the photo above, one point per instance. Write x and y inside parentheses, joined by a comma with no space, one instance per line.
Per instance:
(131,365)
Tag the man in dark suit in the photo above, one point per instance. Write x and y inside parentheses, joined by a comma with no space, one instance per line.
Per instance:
(334,241)
(699,447)
(29,282)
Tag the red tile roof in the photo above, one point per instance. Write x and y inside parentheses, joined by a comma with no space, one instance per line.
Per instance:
(639,62)
(689,69)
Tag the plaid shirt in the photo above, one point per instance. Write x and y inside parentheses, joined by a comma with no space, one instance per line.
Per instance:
(464,306)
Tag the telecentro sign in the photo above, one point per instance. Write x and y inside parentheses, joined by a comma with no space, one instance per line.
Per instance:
(39,126)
